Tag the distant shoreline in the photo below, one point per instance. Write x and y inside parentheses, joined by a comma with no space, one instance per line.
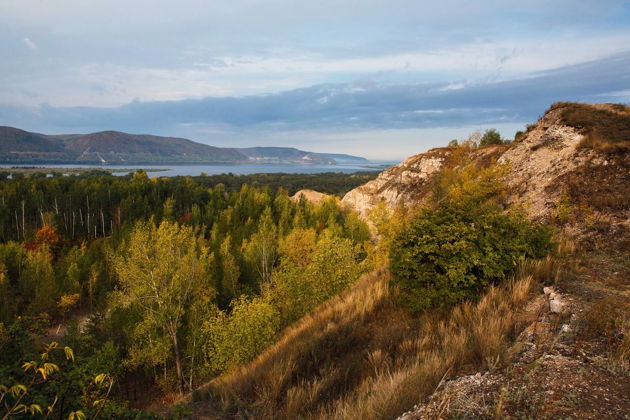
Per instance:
(77,170)
(190,169)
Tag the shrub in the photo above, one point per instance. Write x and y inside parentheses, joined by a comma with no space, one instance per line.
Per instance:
(490,136)
(304,281)
(453,252)
(238,337)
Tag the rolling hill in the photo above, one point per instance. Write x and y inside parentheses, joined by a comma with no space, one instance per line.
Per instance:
(115,147)
(284,155)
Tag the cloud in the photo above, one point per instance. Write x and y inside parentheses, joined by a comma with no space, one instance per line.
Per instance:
(346,107)
(29,44)
(103,52)
(334,71)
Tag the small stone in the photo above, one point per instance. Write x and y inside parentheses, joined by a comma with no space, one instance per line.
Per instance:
(552,295)
(565,328)
(556,306)
(547,290)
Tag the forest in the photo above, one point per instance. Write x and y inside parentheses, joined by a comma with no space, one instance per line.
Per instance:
(121,295)
(127,288)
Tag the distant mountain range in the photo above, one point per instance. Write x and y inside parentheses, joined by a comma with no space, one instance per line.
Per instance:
(115,147)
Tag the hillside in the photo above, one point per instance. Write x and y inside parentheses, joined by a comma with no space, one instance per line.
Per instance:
(551,342)
(284,155)
(118,147)
(115,147)
(343,158)
(310,196)
(410,181)
(111,147)
(491,282)
(19,145)
(555,164)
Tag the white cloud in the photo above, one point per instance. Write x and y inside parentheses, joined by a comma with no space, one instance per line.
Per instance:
(29,43)
(104,52)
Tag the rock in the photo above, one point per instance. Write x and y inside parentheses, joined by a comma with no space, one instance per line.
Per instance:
(556,306)
(409,182)
(547,290)
(565,328)
(405,182)
(311,196)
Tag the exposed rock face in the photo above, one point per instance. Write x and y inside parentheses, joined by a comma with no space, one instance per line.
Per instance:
(410,181)
(403,183)
(310,196)
(547,152)
(548,164)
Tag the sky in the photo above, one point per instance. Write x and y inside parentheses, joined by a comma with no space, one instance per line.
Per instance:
(381,79)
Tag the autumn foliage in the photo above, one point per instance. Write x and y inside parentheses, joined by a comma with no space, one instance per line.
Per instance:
(46,235)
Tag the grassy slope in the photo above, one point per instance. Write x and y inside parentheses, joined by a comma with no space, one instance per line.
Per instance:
(574,364)
(606,127)
(361,356)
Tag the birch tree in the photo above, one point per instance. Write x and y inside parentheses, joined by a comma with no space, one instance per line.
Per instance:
(160,272)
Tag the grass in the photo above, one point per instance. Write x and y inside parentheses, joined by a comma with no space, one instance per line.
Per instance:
(609,321)
(605,129)
(362,356)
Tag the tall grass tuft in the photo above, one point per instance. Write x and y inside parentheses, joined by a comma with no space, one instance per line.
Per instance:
(361,356)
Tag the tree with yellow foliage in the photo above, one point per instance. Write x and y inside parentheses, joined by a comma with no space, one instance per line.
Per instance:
(161,272)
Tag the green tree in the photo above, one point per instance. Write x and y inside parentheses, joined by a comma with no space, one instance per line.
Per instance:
(490,136)
(39,277)
(160,272)
(7,305)
(230,271)
(238,337)
(298,247)
(36,393)
(263,247)
(331,266)
(334,266)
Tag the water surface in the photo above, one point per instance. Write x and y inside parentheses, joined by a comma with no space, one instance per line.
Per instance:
(214,169)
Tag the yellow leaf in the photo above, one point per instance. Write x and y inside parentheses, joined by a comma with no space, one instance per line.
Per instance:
(15,390)
(100,378)
(34,408)
(69,353)
(76,415)
(28,366)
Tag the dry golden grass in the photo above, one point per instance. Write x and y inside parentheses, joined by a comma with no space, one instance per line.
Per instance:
(621,353)
(609,320)
(605,127)
(361,356)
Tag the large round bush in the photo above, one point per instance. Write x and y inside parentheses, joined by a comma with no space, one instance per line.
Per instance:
(452,252)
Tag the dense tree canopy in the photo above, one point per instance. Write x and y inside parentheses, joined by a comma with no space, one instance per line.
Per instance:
(161,283)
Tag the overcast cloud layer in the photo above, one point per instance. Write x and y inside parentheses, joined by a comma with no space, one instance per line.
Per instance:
(380,79)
